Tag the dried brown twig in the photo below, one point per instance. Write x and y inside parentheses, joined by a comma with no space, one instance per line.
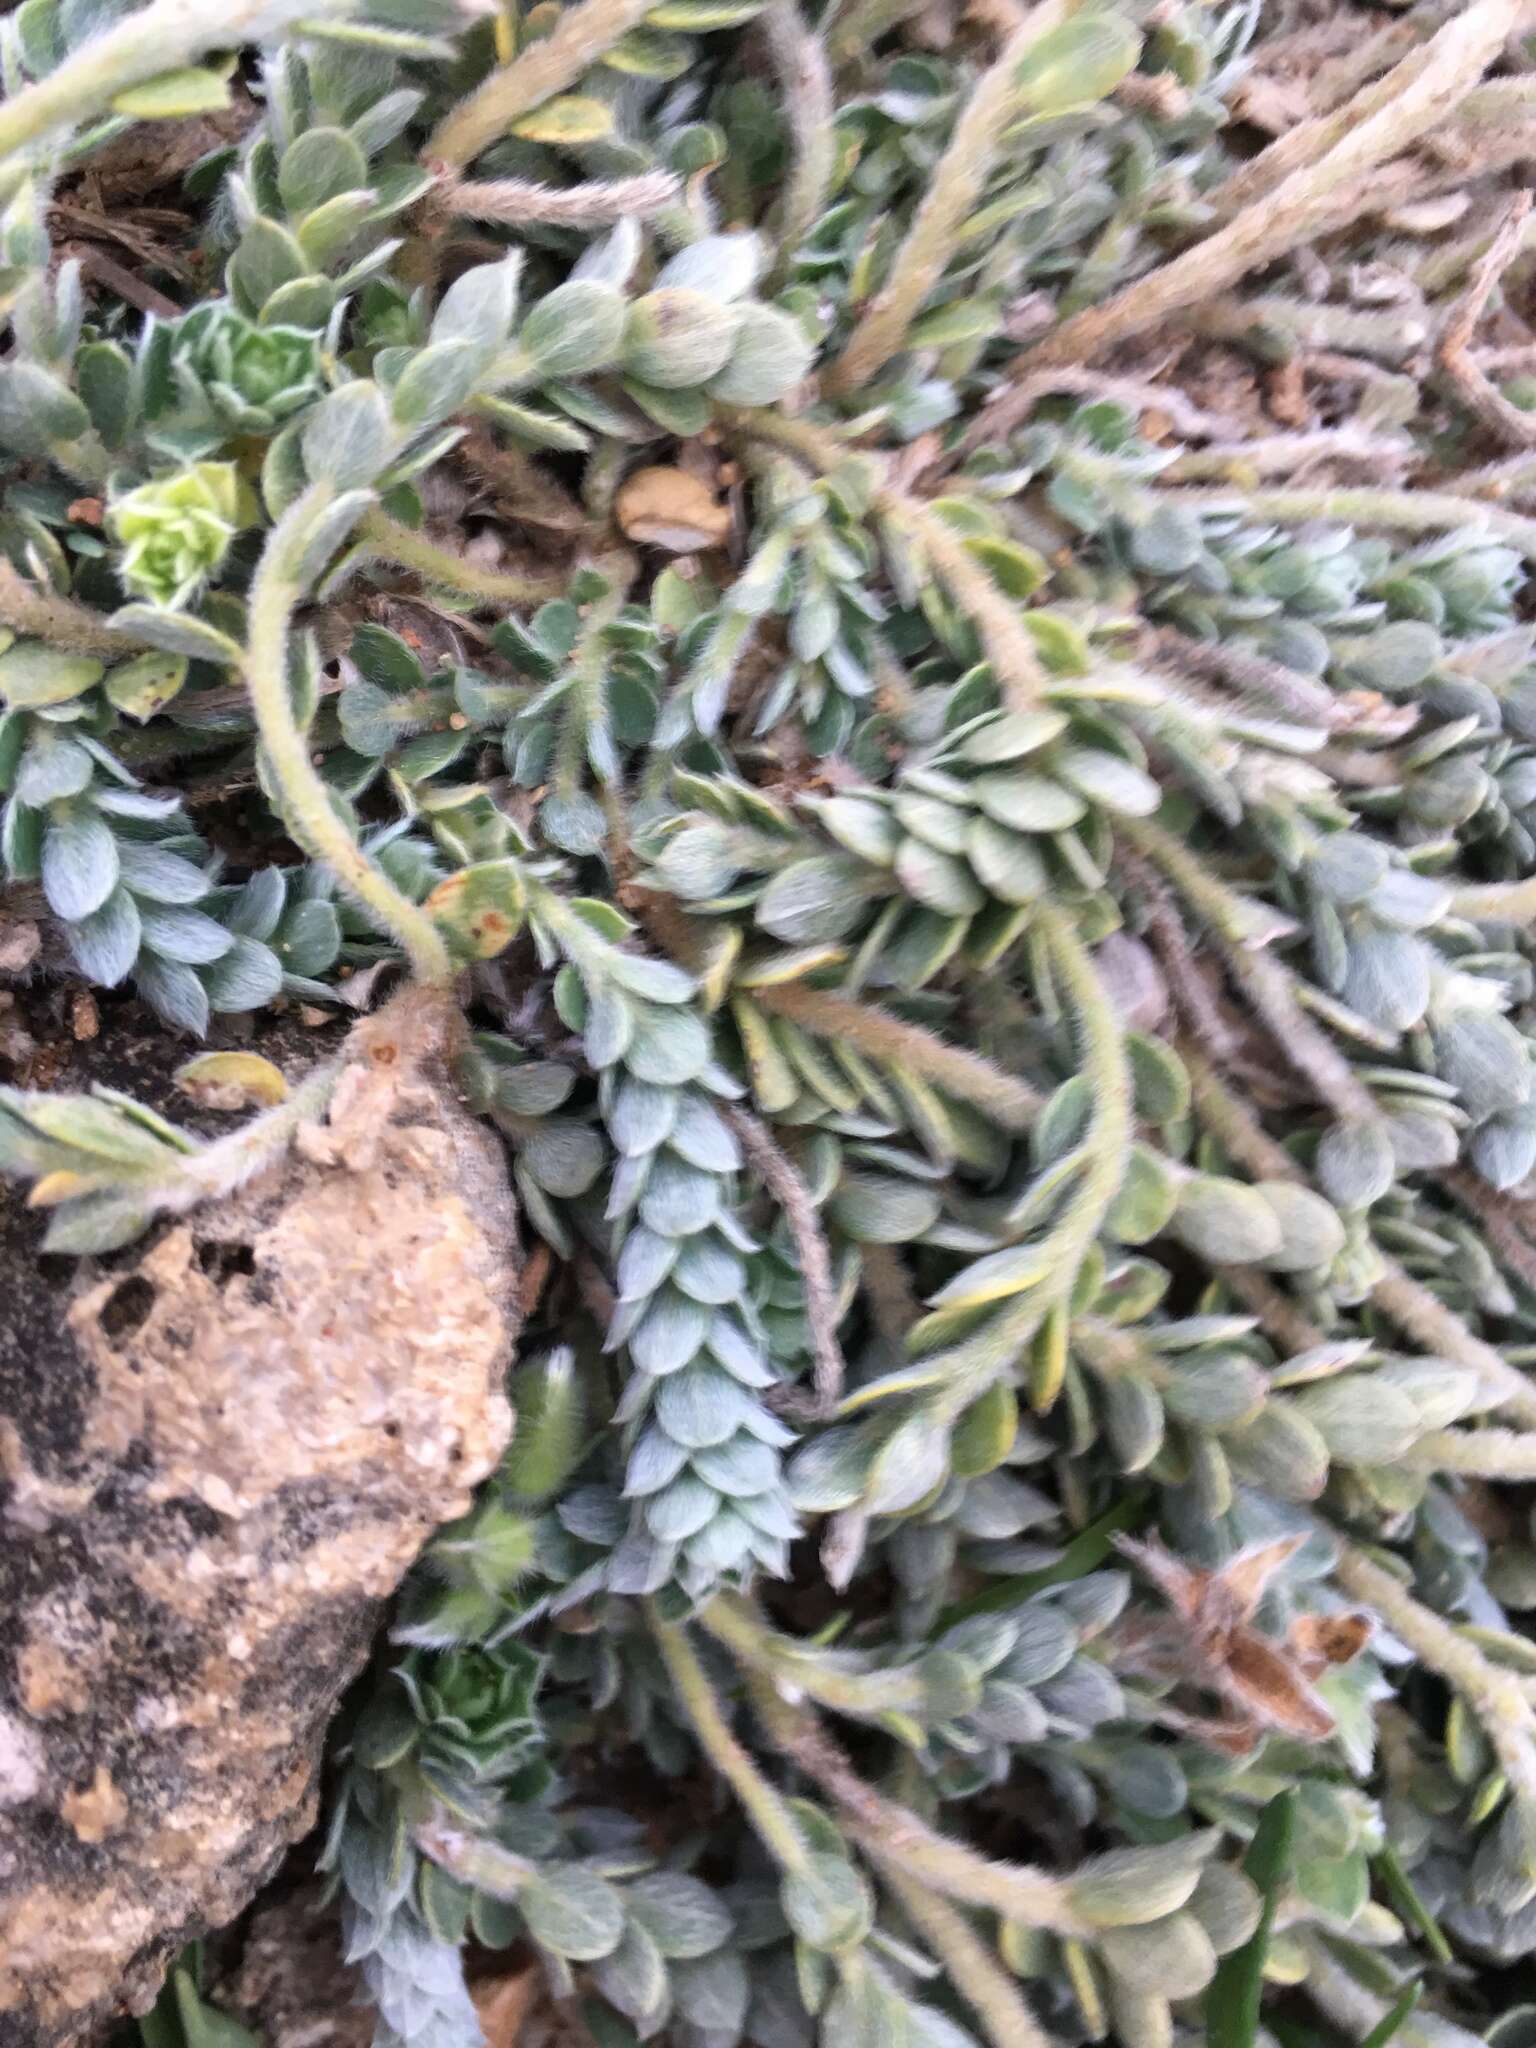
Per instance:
(521,202)
(1453,357)
(1412,98)
(794,1198)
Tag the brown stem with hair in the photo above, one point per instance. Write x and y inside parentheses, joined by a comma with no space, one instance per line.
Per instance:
(794,1198)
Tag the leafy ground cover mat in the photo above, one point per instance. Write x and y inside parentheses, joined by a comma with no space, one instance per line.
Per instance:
(896,641)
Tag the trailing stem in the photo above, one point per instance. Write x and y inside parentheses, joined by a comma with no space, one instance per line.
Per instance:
(957,181)
(305,801)
(580,37)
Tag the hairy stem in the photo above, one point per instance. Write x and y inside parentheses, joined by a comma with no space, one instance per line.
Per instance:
(794,1198)
(46,615)
(764,1807)
(798,58)
(161,37)
(1441,74)
(520,201)
(890,1830)
(970,1965)
(1494,1696)
(391,541)
(930,241)
(1006,1099)
(579,39)
(1406,511)
(304,798)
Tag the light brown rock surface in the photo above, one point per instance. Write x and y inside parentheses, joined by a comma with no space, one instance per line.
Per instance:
(215,1463)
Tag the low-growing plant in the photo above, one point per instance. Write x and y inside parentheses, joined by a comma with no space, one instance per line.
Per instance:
(1003,970)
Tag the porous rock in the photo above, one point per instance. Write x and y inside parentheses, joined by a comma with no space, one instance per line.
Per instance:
(217,1459)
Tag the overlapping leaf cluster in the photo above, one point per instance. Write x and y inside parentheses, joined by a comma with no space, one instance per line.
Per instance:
(1005,981)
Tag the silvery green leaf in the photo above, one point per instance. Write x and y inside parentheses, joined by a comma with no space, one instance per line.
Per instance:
(36,408)
(678,1198)
(682,1509)
(436,382)
(708,1270)
(1133,1421)
(573,821)
(1347,866)
(937,880)
(267,258)
(669,1047)
(80,864)
(1006,862)
(701,1405)
(575,329)
(678,337)
(658,981)
(177,932)
(701,1136)
(326,532)
(724,1544)
(740,1468)
(481,305)
(106,944)
(634,1977)
(1133,1887)
(909,1463)
(769,357)
(1226,1222)
(1027,802)
(867,829)
(1503,1149)
(654,1463)
(672,1331)
(53,766)
(611,259)
(880,1209)
(1388,978)
(685,1917)
(248,977)
(33,674)
(1424,1138)
(1173,1958)
(96,1223)
(739,1354)
(1106,779)
(565,1158)
(177,633)
(317,166)
(827,1903)
(1485,1059)
(1228,1905)
(348,438)
(573,1912)
(724,266)
(1009,735)
(1362,1419)
(173,992)
(309,938)
(1409,900)
(641,1116)
(533,1087)
(1311,1232)
(815,899)
(1282,1451)
(713,1993)
(1355,1163)
(1214,1391)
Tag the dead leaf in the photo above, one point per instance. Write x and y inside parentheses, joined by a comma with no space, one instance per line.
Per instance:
(1263,1681)
(503,2004)
(669,509)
